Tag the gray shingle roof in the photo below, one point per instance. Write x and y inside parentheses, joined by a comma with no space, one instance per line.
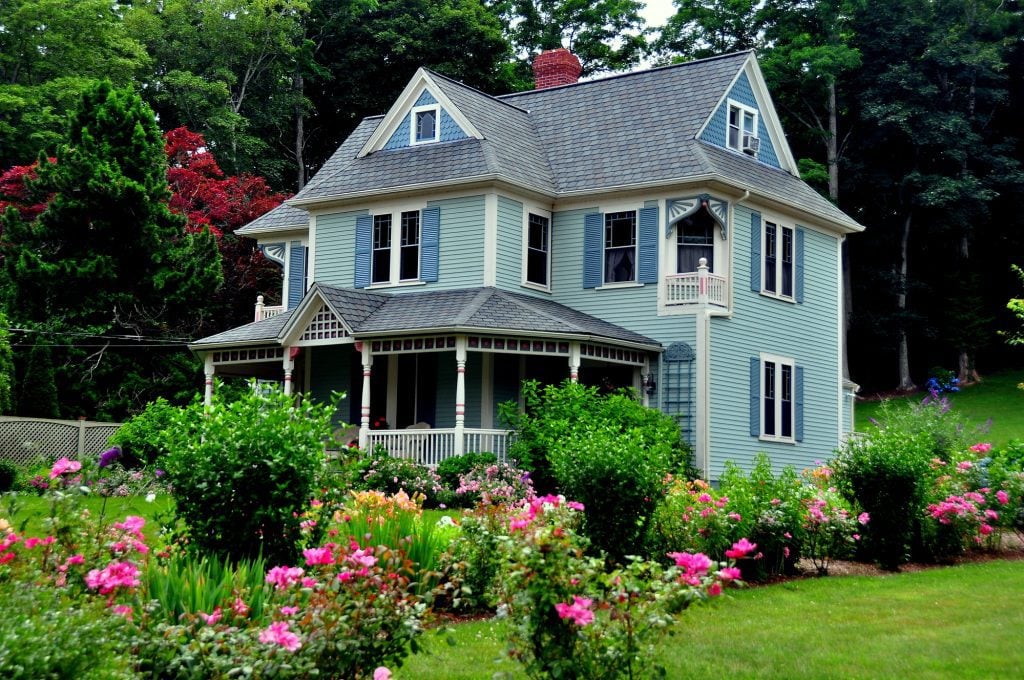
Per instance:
(257,332)
(282,218)
(468,309)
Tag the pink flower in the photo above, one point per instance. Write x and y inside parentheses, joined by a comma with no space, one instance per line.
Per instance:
(986,529)
(74,559)
(693,562)
(279,633)
(308,582)
(64,466)
(211,619)
(381,673)
(131,523)
(729,574)
(316,556)
(32,542)
(574,505)
(289,611)
(740,548)
(363,558)
(1002,497)
(578,612)
(704,498)
(114,575)
(785,551)
(282,577)
(123,610)
(964,465)
(863,518)
(735,517)
(981,447)
(240,608)
(345,576)
(715,589)
(856,537)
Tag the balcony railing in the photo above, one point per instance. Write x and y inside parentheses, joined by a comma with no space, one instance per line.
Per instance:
(265,312)
(430,447)
(699,287)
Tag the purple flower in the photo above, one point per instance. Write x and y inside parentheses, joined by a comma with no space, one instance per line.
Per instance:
(109,456)
(158,473)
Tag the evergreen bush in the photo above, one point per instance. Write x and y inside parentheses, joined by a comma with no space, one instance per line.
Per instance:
(8,475)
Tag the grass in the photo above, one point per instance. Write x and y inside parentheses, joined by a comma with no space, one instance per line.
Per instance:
(996,397)
(956,622)
(34,509)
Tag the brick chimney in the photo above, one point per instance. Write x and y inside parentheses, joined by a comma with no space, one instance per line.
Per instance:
(552,68)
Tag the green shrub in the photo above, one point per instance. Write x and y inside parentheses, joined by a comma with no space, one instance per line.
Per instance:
(451,469)
(8,475)
(243,472)
(45,634)
(473,559)
(889,473)
(187,585)
(608,452)
(382,472)
(142,438)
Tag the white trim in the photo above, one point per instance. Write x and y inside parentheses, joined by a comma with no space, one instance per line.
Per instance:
(490,239)
(703,396)
(524,252)
(605,211)
(395,210)
(413,124)
(771,116)
(840,433)
(778,361)
(620,284)
(743,108)
(486,390)
(780,225)
(311,252)
(420,81)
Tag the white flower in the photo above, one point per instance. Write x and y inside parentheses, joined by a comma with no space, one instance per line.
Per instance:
(150,497)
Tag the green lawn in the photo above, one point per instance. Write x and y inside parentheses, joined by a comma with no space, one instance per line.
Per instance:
(35,509)
(957,622)
(996,397)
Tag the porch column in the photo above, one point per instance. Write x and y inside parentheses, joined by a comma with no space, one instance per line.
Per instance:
(574,361)
(289,368)
(460,395)
(364,423)
(208,369)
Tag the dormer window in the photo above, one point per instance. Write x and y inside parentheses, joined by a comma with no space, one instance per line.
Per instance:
(742,129)
(425,124)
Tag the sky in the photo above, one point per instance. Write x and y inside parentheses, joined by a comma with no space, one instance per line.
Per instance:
(657,11)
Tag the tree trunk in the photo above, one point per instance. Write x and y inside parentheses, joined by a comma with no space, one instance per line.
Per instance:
(966,372)
(905,384)
(298,84)
(832,160)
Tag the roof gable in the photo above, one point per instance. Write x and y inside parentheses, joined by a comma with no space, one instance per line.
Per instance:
(394,132)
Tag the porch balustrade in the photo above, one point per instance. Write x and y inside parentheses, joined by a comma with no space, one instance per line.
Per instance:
(430,447)
(265,311)
(699,287)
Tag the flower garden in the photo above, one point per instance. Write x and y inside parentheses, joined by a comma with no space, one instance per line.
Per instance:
(267,555)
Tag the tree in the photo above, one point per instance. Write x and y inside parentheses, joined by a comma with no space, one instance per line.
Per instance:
(606,35)
(706,28)
(107,259)
(210,200)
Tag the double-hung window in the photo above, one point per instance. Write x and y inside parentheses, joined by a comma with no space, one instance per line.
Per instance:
(620,246)
(538,250)
(778,260)
(695,239)
(777,396)
(425,124)
(403,265)
(742,123)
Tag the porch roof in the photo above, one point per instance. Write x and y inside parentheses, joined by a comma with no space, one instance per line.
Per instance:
(477,310)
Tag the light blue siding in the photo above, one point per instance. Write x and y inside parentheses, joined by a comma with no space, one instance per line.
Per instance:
(509,272)
(335,247)
(462,243)
(450,130)
(330,372)
(715,132)
(807,333)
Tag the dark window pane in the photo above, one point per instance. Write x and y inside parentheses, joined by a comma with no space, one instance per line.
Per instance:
(787,262)
(619,264)
(409,264)
(620,246)
(537,267)
(695,237)
(425,125)
(537,260)
(381,249)
(787,401)
(769,258)
(381,265)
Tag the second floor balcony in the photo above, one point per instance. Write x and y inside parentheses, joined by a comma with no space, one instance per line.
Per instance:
(695,288)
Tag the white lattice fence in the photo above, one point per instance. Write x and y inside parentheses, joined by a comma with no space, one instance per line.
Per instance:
(24,440)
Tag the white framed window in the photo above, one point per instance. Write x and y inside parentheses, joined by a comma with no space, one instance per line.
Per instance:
(741,126)
(620,247)
(425,124)
(778,390)
(537,265)
(395,259)
(778,248)
(695,238)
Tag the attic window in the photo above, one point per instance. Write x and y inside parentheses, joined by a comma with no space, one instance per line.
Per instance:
(742,129)
(425,124)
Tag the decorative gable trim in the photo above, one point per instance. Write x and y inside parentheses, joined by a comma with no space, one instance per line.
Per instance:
(401,109)
(315,321)
(769,116)
(274,252)
(679,208)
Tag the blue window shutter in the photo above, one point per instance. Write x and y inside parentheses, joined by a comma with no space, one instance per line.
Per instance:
(296,274)
(755,397)
(593,249)
(364,250)
(799,264)
(798,403)
(755,251)
(430,243)
(647,258)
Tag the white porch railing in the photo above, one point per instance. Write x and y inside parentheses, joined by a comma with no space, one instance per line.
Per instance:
(265,312)
(686,289)
(430,447)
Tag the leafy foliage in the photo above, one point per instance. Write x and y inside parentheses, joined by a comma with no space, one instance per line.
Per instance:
(452,468)
(243,471)
(142,437)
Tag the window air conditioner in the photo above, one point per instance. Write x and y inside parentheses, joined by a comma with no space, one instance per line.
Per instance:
(751,144)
